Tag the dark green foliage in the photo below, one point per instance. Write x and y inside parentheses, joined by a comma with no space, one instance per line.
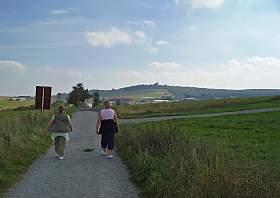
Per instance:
(78,94)
(96,98)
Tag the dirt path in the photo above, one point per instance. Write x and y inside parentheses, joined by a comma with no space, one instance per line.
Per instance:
(154,119)
(81,174)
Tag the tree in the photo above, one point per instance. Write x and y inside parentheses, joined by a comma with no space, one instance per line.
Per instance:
(78,95)
(96,98)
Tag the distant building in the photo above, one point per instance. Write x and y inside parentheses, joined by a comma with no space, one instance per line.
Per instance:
(121,100)
(20,98)
(145,100)
(160,101)
(166,97)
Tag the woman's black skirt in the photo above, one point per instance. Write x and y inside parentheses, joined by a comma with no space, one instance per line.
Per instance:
(107,130)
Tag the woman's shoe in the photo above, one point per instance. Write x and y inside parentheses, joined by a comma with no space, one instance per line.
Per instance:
(61,157)
(103,152)
(110,156)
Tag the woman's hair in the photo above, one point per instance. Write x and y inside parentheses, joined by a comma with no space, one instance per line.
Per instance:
(60,108)
(107,104)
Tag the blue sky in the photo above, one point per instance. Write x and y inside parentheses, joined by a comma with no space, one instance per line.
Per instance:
(111,44)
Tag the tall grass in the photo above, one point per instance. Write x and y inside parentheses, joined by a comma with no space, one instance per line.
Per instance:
(23,138)
(164,162)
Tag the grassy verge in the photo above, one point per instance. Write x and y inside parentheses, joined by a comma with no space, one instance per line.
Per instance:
(197,107)
(23,138)
(231,156)
(6,103)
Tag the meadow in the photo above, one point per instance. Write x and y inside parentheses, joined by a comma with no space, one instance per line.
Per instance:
(6,103)
(196,107)
(23,138)
(230,156)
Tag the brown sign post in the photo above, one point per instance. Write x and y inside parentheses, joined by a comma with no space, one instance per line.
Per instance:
(43,98)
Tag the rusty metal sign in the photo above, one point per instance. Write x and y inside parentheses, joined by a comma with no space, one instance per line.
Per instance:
(43,97)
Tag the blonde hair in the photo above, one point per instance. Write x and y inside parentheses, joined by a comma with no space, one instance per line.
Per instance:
(107,104)
(61,109)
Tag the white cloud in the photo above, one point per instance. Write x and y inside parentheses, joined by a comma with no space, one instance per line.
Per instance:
(11,66)
(59,12)
(165,66)
(153,50)
(161,42)
(193,28)
(145,23)
(108,39)
(254,72)
(140,35)
(51,71)
(149,23)
(196,4)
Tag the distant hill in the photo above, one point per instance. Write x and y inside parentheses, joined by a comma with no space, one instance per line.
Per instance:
(156,90)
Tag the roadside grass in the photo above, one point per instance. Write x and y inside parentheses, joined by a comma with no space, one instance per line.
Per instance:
(5,103)
(230,156)
(23,138)
(196,107)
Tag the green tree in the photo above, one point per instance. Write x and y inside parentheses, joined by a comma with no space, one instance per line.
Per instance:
(96,98)
(78,94)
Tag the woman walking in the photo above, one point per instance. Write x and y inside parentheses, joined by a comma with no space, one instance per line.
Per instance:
(107,125)
(60,126)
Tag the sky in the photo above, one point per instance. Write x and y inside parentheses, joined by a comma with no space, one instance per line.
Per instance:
(105,44)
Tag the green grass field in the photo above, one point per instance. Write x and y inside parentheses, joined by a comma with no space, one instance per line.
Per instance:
(6,103)
(136,94)
(230,156)
(196,107)
(23,138)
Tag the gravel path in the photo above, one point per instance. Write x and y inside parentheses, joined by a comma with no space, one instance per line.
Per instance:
(80,174)
(154,119)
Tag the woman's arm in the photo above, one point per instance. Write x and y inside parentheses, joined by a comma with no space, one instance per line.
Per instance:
(70,123)
(116,120)
(98,123)
(51,121)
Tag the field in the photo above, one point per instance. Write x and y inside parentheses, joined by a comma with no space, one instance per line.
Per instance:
(230,156)
(23,138)
(6,103)
(196,107)
(136,94)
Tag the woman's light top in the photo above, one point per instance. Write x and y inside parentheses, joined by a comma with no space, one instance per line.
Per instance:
(107,114)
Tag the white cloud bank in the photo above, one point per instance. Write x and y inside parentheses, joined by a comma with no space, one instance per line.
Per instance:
(51,71)
(196,4)
(116,36)
(108,39)
(254,72)
(11,66)
(59,12)
(145,23)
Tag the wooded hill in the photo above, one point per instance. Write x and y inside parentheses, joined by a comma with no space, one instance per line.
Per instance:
(156,90)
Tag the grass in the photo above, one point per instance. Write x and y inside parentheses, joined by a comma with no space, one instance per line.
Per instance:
(6,103)
(23,138)
(196,107)
(136,94)
(230,156)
